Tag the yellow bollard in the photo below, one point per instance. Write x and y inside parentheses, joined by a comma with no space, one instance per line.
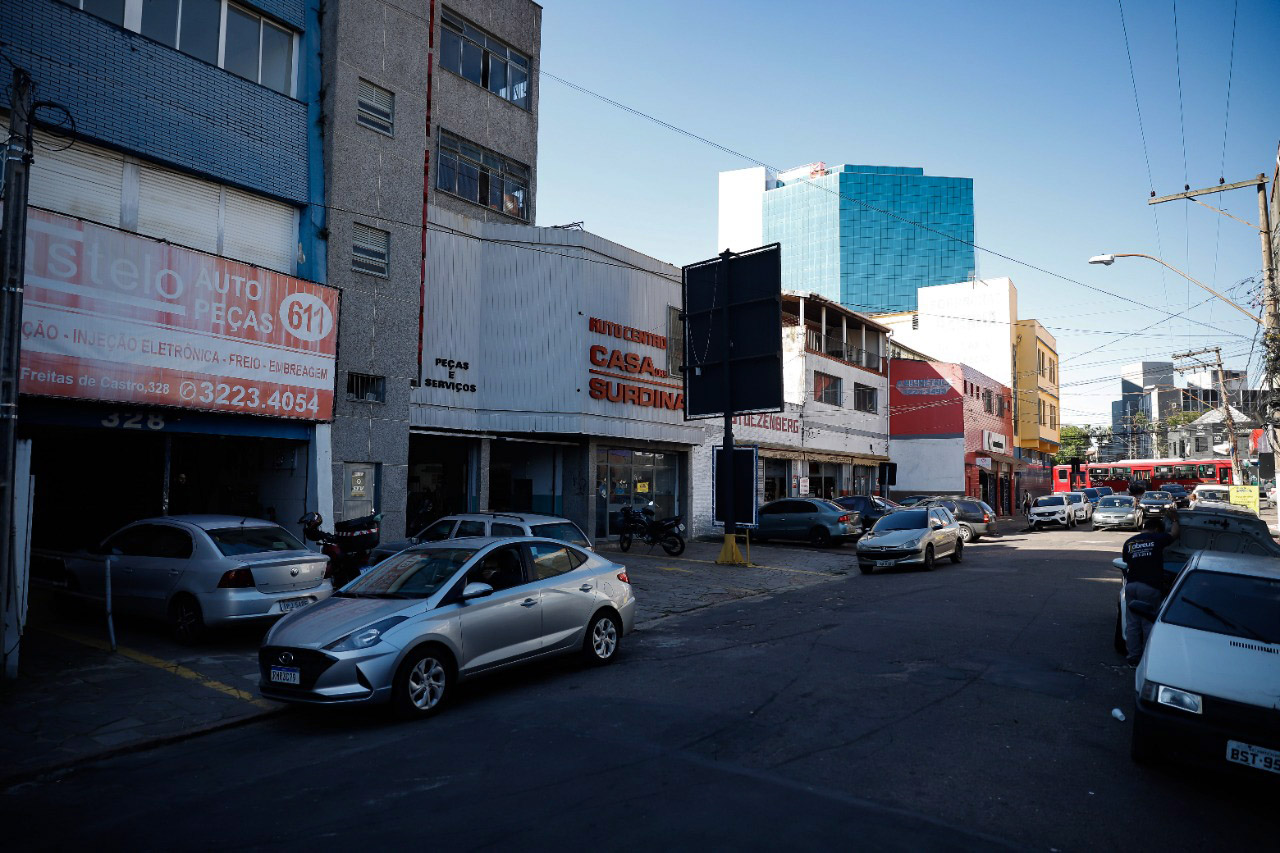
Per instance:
(729,553)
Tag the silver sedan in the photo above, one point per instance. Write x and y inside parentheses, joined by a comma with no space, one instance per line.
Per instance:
(409,629)
(911,537)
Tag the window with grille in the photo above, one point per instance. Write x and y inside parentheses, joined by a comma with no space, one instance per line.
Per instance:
(366,388)
(826,389)
(371,250)
(864,398)
(376,108)
(675,342)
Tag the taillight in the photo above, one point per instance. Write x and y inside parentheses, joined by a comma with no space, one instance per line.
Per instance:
(843,519)
(622,576)
(986,518)
(236,579)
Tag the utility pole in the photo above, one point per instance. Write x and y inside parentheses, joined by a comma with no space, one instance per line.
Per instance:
(13,243)
(1237,473)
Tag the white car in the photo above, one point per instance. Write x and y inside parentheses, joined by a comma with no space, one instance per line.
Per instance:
(1052,509)
(1081,505)
(1210,495)
(1208,686)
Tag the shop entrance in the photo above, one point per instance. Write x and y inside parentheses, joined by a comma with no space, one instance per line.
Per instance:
(525,477)
(777,479)
(438,479)
(634,478)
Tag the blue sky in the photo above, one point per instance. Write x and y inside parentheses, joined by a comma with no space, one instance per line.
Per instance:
(1032,100)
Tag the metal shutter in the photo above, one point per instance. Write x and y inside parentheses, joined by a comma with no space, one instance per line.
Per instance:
(177,208)
(370,250)
(259,231)
(376,107)
(79,181)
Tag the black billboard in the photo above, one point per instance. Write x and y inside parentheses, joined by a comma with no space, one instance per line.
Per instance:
(746,484)
(733,334)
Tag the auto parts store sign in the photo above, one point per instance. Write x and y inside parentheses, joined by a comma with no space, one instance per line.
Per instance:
(109,315)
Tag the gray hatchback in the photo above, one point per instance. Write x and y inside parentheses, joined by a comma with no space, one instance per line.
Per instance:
(817,521)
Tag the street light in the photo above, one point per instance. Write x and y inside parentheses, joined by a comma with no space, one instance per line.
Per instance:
(1108,260)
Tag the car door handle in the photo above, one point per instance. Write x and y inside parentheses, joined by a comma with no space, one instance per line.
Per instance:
(174,573)
(528,602)
(586,587)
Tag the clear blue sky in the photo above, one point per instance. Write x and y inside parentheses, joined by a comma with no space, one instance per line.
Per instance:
(1031,100)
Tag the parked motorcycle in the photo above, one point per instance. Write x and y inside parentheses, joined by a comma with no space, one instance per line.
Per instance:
(348,546)
(666,532)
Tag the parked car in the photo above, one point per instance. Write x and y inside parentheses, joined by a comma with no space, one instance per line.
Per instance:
(911,536)
(1118,511)
(1103,491)
(1092,495)
(1052,509)
(408,630)
(1209,494)
(975,517)
(1205,689)
(488,524)
(1179,493)
(195,571)
(871,508)
(818,521)
(1157,503)
(1080,505)
(912,500)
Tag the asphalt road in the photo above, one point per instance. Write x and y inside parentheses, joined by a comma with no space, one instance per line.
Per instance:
(965,708)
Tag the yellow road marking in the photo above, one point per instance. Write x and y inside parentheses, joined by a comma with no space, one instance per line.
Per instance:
(674,569)
(167,665)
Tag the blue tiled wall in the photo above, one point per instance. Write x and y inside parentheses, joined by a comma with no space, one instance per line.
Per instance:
(133,94)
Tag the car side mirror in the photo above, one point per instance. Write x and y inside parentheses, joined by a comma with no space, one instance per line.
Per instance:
(1143,609)
(937,525)
(475,589)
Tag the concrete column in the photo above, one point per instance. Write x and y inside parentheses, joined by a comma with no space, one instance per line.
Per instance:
(484,455)
(577,470)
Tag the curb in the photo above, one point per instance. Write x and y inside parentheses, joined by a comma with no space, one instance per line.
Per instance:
(38,774)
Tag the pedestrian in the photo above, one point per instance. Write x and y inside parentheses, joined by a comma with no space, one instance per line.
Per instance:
(1026,506)
(1145,579)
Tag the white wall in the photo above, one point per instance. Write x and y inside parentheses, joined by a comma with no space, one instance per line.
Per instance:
(741,222)
(928,465)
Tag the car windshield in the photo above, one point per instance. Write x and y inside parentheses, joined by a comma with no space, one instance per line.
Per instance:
(416,573)
(1115,500)
(1236,605)
(910,519)
(565,531)
(233,541)
(1156,497)
(1075,497)
(1051,500)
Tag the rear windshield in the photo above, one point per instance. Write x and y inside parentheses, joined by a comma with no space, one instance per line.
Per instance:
(440,530)
(1092,493)
(1116,500)
(1213,495)
(233,541)
(970,506)
(903,519)
(416,573)
(565,531)
(1236,605)
(1051,500)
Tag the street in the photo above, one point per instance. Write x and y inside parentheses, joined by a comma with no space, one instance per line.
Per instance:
(967,707)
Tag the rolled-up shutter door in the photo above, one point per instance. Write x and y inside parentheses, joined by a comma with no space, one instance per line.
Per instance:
(177,208)
(259,231)
(77,181)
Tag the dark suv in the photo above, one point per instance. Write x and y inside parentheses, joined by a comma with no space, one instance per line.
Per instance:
(870,507)
(975,517)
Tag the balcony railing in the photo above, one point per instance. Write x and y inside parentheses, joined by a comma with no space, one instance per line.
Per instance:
(834,347)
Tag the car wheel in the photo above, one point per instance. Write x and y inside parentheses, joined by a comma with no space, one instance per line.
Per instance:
(422,683)
(1035,527)
(928,558)
(604,636)
(820,537)
(186,621)
(1143,746)
(966,533)
(1117,641)
(958,554)
(624,541)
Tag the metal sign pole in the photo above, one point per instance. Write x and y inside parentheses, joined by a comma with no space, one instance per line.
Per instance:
(729,552)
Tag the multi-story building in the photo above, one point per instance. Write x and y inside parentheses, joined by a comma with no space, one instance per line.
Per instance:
(950,432)
(179,343)
(850,233)
(976,323)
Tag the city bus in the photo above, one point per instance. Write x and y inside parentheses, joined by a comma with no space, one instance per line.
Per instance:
(1151,473)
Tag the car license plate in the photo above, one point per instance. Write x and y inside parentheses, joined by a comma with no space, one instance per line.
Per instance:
(286,675)
(293,604)
(883,563)
(1253,756)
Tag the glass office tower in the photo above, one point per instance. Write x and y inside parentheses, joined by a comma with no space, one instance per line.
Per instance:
(847,233)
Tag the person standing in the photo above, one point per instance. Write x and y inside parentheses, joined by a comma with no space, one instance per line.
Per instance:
(1026,506)
(1145,579)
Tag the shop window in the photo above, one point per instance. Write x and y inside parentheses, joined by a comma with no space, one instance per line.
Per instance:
(484,60)
(376,108)
(864,398)
(826,389)
(483,177)
(366,388)
(371,250)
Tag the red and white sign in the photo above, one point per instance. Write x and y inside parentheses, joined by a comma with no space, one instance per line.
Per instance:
(109,315)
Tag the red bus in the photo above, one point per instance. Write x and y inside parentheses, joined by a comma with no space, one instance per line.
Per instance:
(1152,473)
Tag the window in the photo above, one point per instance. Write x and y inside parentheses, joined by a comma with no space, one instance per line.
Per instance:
(826,389)
(565,531)
(483,177)
(1040,413)
(500,529)
(988,401)
(234,541)
(469,528)
(1000,406)
(1202,446)
(550,561)
(500,569)
(370,250)
(675,342)
(376,108)
(482,59)
(249,45)
(366,388)
(440,530)
(864,398)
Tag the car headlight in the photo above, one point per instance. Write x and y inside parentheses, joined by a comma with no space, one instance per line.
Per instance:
(366,636)
(1183,700)
(911,543)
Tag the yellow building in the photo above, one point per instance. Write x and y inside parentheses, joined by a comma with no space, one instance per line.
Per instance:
(1037,417)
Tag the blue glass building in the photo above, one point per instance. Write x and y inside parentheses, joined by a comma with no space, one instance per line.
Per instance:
(846,233)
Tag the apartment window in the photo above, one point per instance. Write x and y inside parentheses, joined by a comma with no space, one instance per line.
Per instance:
(915,321)
(675,342)
(1053,371)
(371,250)
(1040,362)
(1040,413)
(988,401)
(1000,406)
(484,60)
(366,388)
(864,398)
(249,45)
(482,176)
(826,389)
(376,108)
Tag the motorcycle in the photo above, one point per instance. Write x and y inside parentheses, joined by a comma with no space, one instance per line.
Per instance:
(347,547)
(665,532)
